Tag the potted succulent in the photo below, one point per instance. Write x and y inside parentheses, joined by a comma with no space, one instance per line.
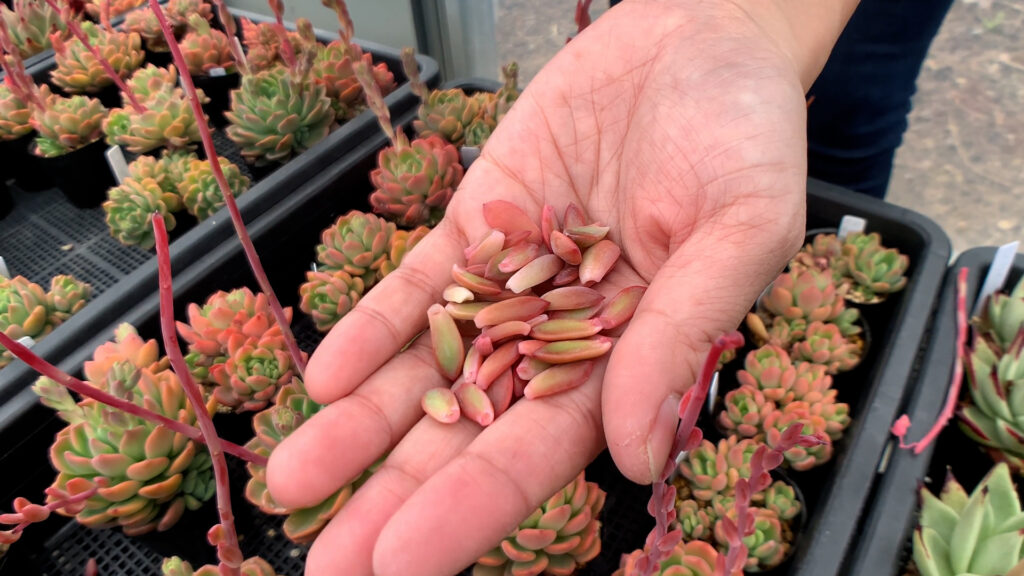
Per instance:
(30,24)
(79,69)
(27,311)
(211,63)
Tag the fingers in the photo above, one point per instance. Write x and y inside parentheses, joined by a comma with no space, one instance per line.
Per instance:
(346,544)
(386,318)
(342,440)
(694,298)
(528,454)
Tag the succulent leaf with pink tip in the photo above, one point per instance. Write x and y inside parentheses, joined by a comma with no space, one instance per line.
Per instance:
(824,344)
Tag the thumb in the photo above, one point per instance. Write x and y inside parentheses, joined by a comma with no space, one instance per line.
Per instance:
(694,298)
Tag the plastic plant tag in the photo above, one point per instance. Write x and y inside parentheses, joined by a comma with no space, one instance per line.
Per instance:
(216,72)
(851,224)
(3,268)
(118,165)
(238,50)
(26,341)
(468,154)
(1002,261)
(713,394)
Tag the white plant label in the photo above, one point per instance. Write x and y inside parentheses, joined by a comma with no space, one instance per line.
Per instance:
(3,268)
(997,273)
(118,165)
(216,72)
(26,341)
(238,50)
(713,394)
(850,224)
(468,154)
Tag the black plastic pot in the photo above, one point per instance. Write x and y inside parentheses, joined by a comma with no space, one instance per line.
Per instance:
(82,174)
(50,236)
(884,546)
(15,155)
(218,89)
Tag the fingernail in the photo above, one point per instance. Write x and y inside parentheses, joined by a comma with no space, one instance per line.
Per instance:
(662,434)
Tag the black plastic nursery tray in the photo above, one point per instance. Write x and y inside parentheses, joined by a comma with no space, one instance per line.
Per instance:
(46,235)
(836,494)
(885,544)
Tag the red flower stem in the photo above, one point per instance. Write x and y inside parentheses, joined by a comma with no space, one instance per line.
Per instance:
(236,216)
(227,546)
(902,425)
(84,389)
(375,101)
(80,34)
(53,507)
(228,21)
(287,51)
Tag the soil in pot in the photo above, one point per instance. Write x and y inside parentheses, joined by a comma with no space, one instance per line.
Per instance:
(82,175)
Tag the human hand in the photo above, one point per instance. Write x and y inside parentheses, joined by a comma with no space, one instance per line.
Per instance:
(681,125)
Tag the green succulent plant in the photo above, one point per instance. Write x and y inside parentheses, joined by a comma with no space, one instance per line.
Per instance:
(144,23)
(66,297)
(253,372)
(448,114)
(328,296)
(559,537)
(693,558)
(696,519)
(357,243)
(15,115)
(745,410)
(871,270)
(30,24)
(167,121)
(805,296)
(24,311)
(770,370)
(402,241)
(821,253)
(977,534)
(824,344)
(205,49)
(199,189)
(713,469)
(274,116)
(151,80)
(994,414)
(415,181)
(180,12)
(79,72)
(66,124)
(164,170)
(1002,318)
(766,547)
(129,211)
(254,566)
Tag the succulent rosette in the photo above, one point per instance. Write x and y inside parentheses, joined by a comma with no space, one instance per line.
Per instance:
(824,344)
(254,566)
(709,469)
(30,25)
(800,458)
(79,72)
(24,311)
(821,253)
(402,241)
(415,181)
(696,519)
(745,410)
(274,116)
(129,211)
(328,296)
(977,533)
(66,124)
(810,383)
(693,558)
(205,49)
(199,189)
(561,535)
(766,547)
(253,372)
(67,296)
(447,113)
(15,115)
(781,498)
(332,68)
(163,170)
(151,80)
(871,270)
(292,407)
(770,370)
(179,12)
(1002,318)
(148,475)
(357,243)
(807,295)
(117,7)
(994,415)
(144,23)
(167,121)
(263,44)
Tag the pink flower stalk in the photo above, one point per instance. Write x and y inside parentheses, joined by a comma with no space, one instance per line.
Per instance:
(229,198)
(84,389)
(27,513)
(16,77)
(902,424)
(287,51)
(582,17)
(222,535)
(232,31)
(78,33)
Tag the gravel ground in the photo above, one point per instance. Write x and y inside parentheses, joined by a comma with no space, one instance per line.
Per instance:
(962,160)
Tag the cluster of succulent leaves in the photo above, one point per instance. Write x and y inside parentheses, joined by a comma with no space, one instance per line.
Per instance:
(147,474)
(180,14)
(165,120)
(26,310)
(177,180)
(688,558)
(79,72)
(558,538)
(94,8)
(332,68)
(66,124)
(466,120)
(30,24)
(237,349)
(15,115)
(993,414)
(705,484)
(979,534)
(255,566)
(867,270)
(292,407)
(355,253)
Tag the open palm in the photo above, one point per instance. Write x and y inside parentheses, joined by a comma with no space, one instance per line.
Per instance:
(680,126)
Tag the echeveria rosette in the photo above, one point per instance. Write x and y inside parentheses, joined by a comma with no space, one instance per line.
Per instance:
(478,132)
(253,372)
(821,253)
(826,406)
(78,71)
(291,408)
(980,533)
(144,23)
(332,68)
(561,535)
(67,296)
(168,171)
(994,415)
(694,558)
(30,25)
(329,296)
(808,296)
(447,113)
(770,370)
(415,181)
(811,382)
(800,458)
(117,7)
(15,115)
(781,498)
(129,211)
(151,80)
(255,566)
(357,243)
(263,45)
(126,348)
(205,49)
(402,241)
(66,124)
(824,344)
(167,122)
(696,519)
(745,410)
(871,271)
(274,116)
(766,547)
(24,311)
(179,12)
(1002,317)
(199,189)
(712,469)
